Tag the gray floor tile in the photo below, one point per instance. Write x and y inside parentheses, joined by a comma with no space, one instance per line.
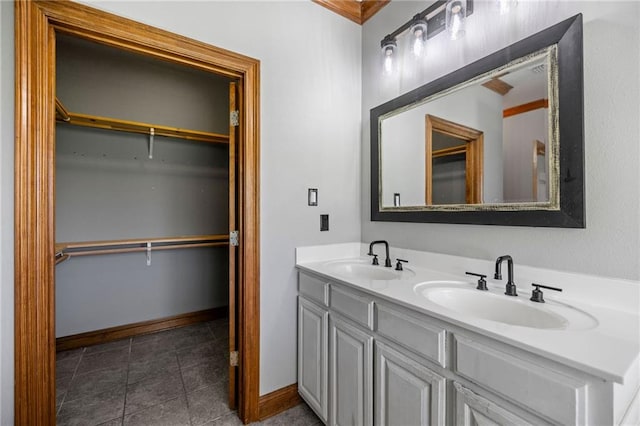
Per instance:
(230,419)
(157,364)
(204,374)
(192,336)
(96,382)
(67,365)
(71,353)
(199,354)
(92,411)
(153,391)
(300,415)
(62,385)
(208,404)
(220,329)
(102,360)
(116,344)
(158,336)
(157,374)
(170,413)
(150,349)
(112,422)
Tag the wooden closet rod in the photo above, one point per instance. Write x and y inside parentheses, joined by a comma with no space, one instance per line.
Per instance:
(142,249)
(88,248)
(161,240)
(95,121)
(61,111)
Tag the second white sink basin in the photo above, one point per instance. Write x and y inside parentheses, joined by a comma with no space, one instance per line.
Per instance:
(518,311)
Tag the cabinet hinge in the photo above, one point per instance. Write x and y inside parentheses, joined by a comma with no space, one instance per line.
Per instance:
(234,118)
(233,358)
(233,238)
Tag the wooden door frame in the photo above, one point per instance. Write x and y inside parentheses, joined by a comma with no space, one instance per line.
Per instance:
(36,24)
(474,154)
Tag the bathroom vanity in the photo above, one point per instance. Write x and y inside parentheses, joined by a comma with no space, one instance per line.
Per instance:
(422,346)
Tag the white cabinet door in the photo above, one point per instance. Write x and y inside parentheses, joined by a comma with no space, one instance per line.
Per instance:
(312,355)
(406,392)
(351,369)
(474,410)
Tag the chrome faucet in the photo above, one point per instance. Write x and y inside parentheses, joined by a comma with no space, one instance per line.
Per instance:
(511,286)
(387,261)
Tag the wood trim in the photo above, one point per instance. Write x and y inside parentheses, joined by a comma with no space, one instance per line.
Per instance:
(106,123)
(279,400)
(473,150)
(356,11)
(370,8)
(530,106)
(34,296)
(136,329)
(499,86)
(36,25)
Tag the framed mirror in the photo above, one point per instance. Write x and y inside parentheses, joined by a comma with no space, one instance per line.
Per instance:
(498,142)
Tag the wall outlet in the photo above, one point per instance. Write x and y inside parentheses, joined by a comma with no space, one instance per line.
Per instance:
(324,222)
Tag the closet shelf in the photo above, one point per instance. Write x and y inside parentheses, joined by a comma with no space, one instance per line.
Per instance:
(66,250)
(95,121)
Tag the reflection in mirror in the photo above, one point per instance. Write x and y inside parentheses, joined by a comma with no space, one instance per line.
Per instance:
(499,141)
(453,163)
(473,143)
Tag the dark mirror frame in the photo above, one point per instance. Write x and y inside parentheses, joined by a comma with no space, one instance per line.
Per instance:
(567,35)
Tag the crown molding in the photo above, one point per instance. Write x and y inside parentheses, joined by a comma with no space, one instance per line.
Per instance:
(356,11)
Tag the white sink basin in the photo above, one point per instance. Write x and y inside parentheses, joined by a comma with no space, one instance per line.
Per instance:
(361,270)
(497,307)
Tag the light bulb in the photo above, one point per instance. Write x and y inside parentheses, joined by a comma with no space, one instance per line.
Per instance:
(418,37)
(455,18)
(505,6)
(388,64)
(388,55)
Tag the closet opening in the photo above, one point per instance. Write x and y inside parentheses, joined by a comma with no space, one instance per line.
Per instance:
(136,216)
(144,205)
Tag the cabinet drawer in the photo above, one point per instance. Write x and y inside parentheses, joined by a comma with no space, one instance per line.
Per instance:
(352,306)
(426,340)
(314,288)
(549,394)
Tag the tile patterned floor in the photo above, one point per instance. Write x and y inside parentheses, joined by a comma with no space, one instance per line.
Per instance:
(175,377)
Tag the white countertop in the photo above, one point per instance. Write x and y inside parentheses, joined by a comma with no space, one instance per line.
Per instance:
(610,350)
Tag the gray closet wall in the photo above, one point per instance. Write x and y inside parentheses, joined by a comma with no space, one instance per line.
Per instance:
(107,188)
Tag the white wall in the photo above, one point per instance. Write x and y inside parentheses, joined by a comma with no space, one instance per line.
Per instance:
(310,134)
(610,243)
(403,143)
(6,212)
(520,133)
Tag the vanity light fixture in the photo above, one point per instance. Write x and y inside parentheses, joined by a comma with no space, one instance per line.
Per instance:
(456,18)
(423,26)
